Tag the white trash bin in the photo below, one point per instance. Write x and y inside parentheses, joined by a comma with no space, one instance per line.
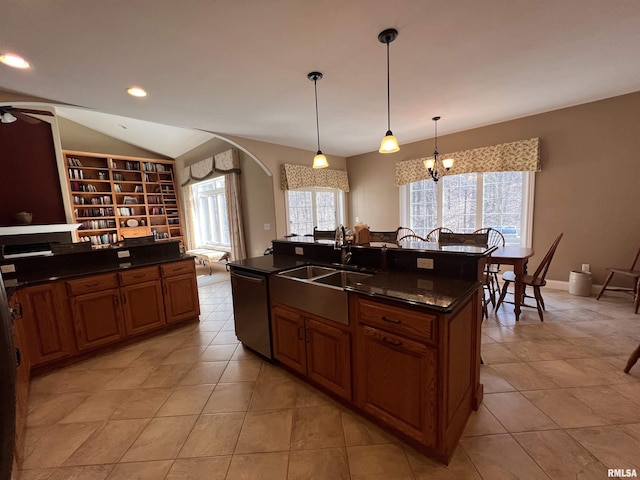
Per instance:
(580,283)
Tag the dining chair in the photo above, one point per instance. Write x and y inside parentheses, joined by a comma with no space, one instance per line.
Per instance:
(632,359)
(494,239)
(537,280)
(632,272)
(323,234)
(434,235)
(403,232)
(412,238)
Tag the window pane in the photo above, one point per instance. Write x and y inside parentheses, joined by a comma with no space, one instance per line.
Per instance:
(326,210)
(300,212)
(459,202)
(424,206)
(211,220)
(502,204)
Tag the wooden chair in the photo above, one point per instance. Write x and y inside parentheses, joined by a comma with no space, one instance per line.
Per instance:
(323,234)
(632,272)
(434,235)
(537,280)
(412,238)
(632,359)
(494,239)
(403,232)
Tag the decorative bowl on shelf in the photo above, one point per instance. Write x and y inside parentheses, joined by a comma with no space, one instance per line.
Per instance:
(23,218)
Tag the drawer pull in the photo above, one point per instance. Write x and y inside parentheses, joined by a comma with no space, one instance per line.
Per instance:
(139,276)
(389,320)
(90,285)
(390,341)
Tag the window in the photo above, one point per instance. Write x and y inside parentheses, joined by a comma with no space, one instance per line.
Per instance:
(466,202)
(314,207)
(211,221)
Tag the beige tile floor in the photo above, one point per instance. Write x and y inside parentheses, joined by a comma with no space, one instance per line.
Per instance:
(193,404)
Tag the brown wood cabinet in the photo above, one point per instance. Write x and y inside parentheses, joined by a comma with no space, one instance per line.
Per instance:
(313,346)
(180,291)
(142,302)
(97,318)
(22,381)
(415,371)
(396,382)
(46,322)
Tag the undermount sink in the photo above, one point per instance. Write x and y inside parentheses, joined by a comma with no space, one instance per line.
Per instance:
(341,278)
(316,290)
(307,272)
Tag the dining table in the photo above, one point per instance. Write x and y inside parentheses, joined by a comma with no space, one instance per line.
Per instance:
(517,257)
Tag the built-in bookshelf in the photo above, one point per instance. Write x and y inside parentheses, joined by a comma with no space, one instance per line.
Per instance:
(111,193)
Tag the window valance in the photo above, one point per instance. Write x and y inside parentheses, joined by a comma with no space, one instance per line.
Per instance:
(520,156)
(224,162)
(299,176)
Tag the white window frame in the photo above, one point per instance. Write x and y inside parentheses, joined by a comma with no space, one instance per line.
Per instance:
(340,203)
(526,221)
(199,241)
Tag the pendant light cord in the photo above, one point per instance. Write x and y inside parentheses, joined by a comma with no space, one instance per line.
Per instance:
(315,88)
(388,92)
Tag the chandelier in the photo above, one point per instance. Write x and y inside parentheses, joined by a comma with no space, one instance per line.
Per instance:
(435,166)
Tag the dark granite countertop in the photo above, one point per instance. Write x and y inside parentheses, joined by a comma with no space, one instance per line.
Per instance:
(439,293)
(435,292)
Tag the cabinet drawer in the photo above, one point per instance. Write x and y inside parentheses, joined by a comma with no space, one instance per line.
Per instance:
(92,284)
(398,320)
(139,275)
(177,268)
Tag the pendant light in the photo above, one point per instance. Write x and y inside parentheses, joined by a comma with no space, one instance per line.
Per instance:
(389,143)
(437,168)
(319,161)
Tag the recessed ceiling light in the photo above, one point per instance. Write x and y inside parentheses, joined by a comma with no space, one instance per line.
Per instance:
(136,91)
(13,60)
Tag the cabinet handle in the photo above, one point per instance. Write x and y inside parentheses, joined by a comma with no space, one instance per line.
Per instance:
(139,276)
(390,341)
(89,285)
(115,299)
(389,320)
(18,357)
(300,332)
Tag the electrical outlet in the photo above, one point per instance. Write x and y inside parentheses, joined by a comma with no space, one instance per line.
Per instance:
(425,263)
(123,254)
(299,251)
(10,268)
(586,268)
(267,226)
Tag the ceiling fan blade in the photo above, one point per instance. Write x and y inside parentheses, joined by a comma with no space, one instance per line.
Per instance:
(32,112)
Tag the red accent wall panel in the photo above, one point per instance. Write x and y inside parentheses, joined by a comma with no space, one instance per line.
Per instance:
(28,174)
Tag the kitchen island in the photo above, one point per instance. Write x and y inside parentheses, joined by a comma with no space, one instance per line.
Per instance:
(408,356)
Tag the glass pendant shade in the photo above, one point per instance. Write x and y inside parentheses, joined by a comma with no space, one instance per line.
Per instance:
(320,161)
(447,163)
(389,144)
(429,163)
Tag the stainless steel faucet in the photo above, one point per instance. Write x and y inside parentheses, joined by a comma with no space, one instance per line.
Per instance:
(345,255)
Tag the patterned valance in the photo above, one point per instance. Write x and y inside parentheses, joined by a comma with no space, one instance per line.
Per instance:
(225,162)
(520,156)
(299,176)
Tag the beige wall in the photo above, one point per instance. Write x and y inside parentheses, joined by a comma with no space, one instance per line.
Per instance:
(272,156)
(588,187)
(257,194)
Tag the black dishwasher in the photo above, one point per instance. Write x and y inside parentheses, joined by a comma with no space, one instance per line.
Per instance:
(251,310)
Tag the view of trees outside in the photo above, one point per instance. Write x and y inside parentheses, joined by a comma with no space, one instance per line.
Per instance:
(309,208)
(212,222)
(500,194)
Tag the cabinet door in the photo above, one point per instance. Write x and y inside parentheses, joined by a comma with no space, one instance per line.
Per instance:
(329,357)
(288,338)
(47,328)
(97,318)
(181,297)
(142,307)
(396,381)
